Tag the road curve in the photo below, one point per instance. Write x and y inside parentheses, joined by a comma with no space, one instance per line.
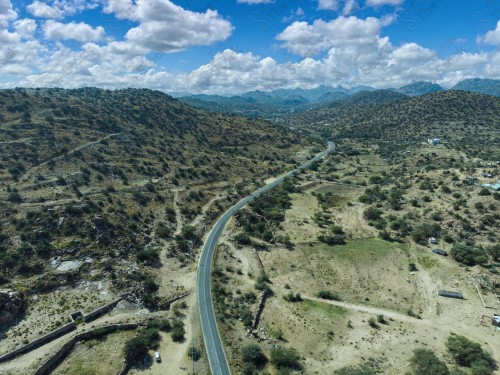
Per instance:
(211,336)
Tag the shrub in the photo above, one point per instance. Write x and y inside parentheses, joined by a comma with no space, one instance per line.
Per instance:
(252,353)
(243,239)
(194,353)
(422,233)
(178,330)
(484,191)
(135,349)
(468,255)
(357,370)
(372,214)
(468,353)
(425,362)
(291,297)
(285,358)
(326,294)
(373,323)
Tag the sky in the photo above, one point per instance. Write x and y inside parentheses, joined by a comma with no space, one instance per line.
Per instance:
(235,46)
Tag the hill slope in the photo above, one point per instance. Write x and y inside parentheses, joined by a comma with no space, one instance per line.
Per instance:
(91,173)
(466,118)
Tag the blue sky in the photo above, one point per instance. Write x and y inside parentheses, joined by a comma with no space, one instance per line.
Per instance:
(231,46)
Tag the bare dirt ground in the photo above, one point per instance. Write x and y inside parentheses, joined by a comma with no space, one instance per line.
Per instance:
(372,278)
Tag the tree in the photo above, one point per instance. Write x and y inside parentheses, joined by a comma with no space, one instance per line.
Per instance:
(178,330)
(425,362)
(134,349)
(285,358)
(468,353)
(194,353)
(468,255)
(252,353)
(372,214)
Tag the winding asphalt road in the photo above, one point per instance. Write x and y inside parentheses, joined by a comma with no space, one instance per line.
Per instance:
(211,336)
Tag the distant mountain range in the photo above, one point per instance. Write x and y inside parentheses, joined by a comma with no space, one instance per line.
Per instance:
(285,101)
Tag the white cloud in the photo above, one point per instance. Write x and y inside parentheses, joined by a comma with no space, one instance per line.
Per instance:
(6,13)
(166,27)
(491,37)
(81,32)
(60,8)
(346,7)
(25,27)
(375,3)
(306,39)
(255,1)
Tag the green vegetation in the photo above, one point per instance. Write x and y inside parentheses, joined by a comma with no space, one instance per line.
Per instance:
(468,353)
(425,362)
(326,294)
(178,330)
(468,254)
(285,358)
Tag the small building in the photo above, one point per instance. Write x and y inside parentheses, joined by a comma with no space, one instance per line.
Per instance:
(495,320)
(432,241)
(494,187)
(434,141)
(449,294)
(440,252)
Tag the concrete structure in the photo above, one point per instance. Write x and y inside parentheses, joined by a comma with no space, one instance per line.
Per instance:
(434,141)
(449,294)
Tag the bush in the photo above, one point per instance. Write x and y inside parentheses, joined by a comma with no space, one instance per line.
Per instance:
(468,255)
(373,323)
(290,297)
(135,349)
(372,214)
(178,330)
(425,362)
(326,294)
(468,353)
(484,191)
(285,358)
(194,353)
(252,353)
(422,233)
(243,239)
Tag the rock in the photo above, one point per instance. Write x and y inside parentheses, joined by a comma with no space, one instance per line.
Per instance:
(12,305)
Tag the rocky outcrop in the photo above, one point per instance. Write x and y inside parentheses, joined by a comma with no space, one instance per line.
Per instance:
(12,305)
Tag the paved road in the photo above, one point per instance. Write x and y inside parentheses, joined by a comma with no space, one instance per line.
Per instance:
(211,336)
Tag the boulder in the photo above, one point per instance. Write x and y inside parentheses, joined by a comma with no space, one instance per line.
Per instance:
(12,305)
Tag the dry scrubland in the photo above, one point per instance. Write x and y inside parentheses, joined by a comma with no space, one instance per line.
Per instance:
(109,193)
(392,280)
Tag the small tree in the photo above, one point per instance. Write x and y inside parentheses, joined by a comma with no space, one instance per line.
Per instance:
(285,358)
(425,362)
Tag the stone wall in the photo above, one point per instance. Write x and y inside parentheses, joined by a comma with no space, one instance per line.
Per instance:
(101,311)
(38,342)
(56,358)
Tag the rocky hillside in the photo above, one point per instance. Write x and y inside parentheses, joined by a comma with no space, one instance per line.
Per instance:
(90,179)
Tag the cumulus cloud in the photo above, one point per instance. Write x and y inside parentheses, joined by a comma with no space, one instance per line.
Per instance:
(60,8)
(375,3)
(491,37)
(25,27)
(306,39)
(6,13)
(166,27)
(81,31)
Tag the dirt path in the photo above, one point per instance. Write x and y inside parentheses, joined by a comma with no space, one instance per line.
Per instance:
(367,309)
(79,148)
(178,215)
(204,210)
